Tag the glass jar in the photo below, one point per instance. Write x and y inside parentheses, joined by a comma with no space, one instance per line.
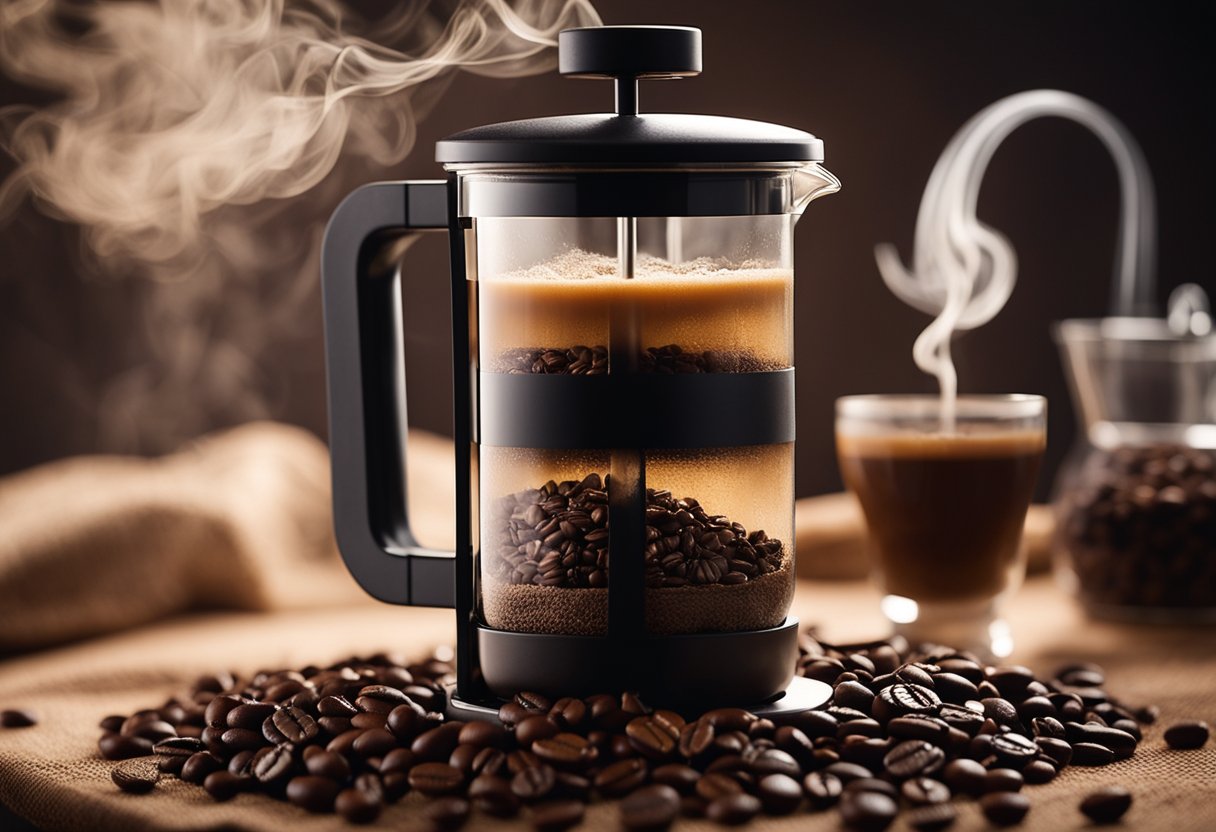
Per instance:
(1136,499)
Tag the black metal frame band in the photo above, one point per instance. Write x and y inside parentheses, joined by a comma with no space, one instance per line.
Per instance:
(668,193)
(643,410)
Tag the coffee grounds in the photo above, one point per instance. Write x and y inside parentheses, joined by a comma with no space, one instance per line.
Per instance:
(755,605)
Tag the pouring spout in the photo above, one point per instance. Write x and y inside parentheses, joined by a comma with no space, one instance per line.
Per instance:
(812,181)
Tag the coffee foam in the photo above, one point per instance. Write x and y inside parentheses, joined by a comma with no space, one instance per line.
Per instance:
(742,308)
(966,442)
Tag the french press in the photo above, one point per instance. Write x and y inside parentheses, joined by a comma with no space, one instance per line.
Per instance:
(622,291)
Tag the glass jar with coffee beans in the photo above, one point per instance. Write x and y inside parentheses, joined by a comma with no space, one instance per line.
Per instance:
(1136,503)
(1137,530)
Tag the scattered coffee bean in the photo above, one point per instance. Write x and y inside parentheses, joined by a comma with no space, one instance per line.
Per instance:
(1003,780)
(779,794)
(652,808)
(135,776)
(733,809)
(1005,808)
(224,785)
(312,793)
(1187,735)
(867,811)
(18,718)
(1107,804)
(436,778)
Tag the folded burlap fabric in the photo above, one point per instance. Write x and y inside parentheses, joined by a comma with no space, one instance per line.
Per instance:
(237,520)
(241,520)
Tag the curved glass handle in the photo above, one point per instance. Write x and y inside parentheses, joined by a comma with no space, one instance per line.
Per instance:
(365,369)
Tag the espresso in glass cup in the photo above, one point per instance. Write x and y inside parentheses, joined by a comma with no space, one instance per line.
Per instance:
(944,506)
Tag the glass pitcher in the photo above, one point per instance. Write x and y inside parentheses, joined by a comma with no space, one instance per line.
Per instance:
(623,339)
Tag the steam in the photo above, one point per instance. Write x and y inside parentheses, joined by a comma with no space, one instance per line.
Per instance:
(184,130)
(964,271)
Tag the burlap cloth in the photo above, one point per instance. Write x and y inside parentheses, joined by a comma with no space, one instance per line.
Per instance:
(51,773)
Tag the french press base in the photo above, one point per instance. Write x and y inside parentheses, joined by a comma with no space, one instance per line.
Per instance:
(622,292)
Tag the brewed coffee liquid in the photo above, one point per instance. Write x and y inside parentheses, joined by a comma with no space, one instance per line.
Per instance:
(945,512)
(699,306)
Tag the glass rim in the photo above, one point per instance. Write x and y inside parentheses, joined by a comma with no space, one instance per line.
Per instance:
(987,407)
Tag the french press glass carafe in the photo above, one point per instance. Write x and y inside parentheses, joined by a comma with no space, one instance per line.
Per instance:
(624,391)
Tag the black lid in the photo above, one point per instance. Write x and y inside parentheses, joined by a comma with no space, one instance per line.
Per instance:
(627,54)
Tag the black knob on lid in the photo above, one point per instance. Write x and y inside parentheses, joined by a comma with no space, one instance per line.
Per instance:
(628,53)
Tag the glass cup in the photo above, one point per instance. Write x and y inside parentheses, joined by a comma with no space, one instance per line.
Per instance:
(944,508)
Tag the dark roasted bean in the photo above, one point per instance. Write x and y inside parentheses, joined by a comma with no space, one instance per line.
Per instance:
(931,817)
(18,718)
(1187,735)
(135,776)
(650,808)
(1107,804)
(922,790)
(447,813)
(867,811)
(1005,808)
(558,815)
(733,809)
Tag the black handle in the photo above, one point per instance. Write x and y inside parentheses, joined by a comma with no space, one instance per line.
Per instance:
(629,53)
(365,367)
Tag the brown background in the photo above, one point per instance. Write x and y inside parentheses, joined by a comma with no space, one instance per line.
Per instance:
(885,84)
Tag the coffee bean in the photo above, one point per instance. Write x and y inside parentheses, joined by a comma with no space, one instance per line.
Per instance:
(651,808)
(965,776)
(120,747)
(406,721)
(533,782)
(1091,754)
(434,745)
(621,777)
(199,765)
(1107,804)
(224,785)
(913,758)
(717,784)
(558,815)
(951,687)
(822,789)
(565,750)
(182,747)
(919,727)
(847,771)
(135,776)
(1121,743)
(1011,681)
(492,795)
(534,728)
(1187,735)
(294,725)
(331,765)
(435,778)
(1004,808)
(568,712)
(931,817)
(733,809)
(312,793)
(18,718)
(1003,780)
(1002,712)
(904,698)
(961,717)
(653,736)
(765,761)
(249,716)
(1038,772)
(1058,750)
(867,811)
(779,794)
(1013,750)
(241,764)
(922,790)
(853,695)
(695,738)
(357,806)
(447,813)
(242,739)
(271,764)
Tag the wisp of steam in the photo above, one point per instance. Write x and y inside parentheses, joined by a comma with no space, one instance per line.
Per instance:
(964,271)
(184,128)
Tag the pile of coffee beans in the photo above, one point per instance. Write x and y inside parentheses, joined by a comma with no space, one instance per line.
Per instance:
(557,535)
(1139,523)
(581,360)
(905,731)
